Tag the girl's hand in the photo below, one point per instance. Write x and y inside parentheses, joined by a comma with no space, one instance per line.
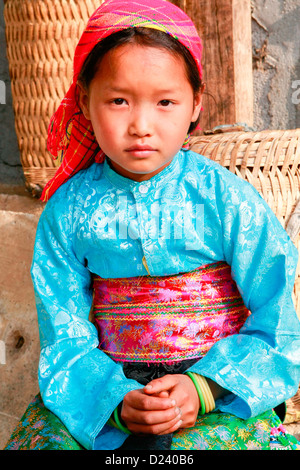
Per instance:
(182,390)
(150,413)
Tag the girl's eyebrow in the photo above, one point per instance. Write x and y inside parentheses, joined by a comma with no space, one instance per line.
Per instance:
(116,88)
(128,90)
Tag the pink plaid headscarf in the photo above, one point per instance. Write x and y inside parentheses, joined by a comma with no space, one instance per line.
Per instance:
(71,139)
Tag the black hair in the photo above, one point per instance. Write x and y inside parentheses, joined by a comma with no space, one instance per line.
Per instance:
(144,37)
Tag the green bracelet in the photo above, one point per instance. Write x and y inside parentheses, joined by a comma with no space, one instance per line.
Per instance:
(118,422)
(112,422)
(202,402)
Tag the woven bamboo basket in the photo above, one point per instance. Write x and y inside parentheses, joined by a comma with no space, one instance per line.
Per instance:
(270,161)
(41,37)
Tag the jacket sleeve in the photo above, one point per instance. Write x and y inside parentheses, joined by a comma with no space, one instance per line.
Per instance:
(78,382)
(261,364)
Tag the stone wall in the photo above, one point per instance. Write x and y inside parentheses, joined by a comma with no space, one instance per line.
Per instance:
(276,62)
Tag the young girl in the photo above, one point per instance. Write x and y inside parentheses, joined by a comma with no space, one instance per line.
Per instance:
(170,249)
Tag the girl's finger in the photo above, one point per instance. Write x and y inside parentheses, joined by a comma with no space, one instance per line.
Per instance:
(173,428)
(157,429)
(150,418)
(161,385)
(163,394)
(138,400)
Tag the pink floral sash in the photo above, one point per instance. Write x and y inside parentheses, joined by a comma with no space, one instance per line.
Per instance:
(167,319)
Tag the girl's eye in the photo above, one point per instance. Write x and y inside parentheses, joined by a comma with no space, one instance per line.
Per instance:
(165,103)
(119,101)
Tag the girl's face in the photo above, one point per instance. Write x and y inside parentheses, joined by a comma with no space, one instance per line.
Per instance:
(140,104)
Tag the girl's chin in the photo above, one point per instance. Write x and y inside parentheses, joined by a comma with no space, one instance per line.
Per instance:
(138,172)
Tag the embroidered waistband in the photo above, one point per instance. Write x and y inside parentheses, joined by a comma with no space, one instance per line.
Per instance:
(170,318)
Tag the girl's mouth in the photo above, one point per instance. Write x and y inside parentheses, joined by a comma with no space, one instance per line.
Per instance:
(140,150)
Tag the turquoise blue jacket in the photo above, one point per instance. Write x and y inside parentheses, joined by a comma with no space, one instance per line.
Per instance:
(192,213)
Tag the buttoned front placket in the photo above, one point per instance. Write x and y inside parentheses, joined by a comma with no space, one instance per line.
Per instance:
(143,197)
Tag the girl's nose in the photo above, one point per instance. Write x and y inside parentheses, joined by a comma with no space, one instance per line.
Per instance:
(140,123)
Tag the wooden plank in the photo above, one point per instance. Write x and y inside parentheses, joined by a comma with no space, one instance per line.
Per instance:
(225,29)
(243,76)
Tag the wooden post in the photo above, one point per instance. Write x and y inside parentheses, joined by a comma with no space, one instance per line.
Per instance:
(225,28)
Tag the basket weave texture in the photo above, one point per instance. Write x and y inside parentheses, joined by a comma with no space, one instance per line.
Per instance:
(270,161)
(41,37)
